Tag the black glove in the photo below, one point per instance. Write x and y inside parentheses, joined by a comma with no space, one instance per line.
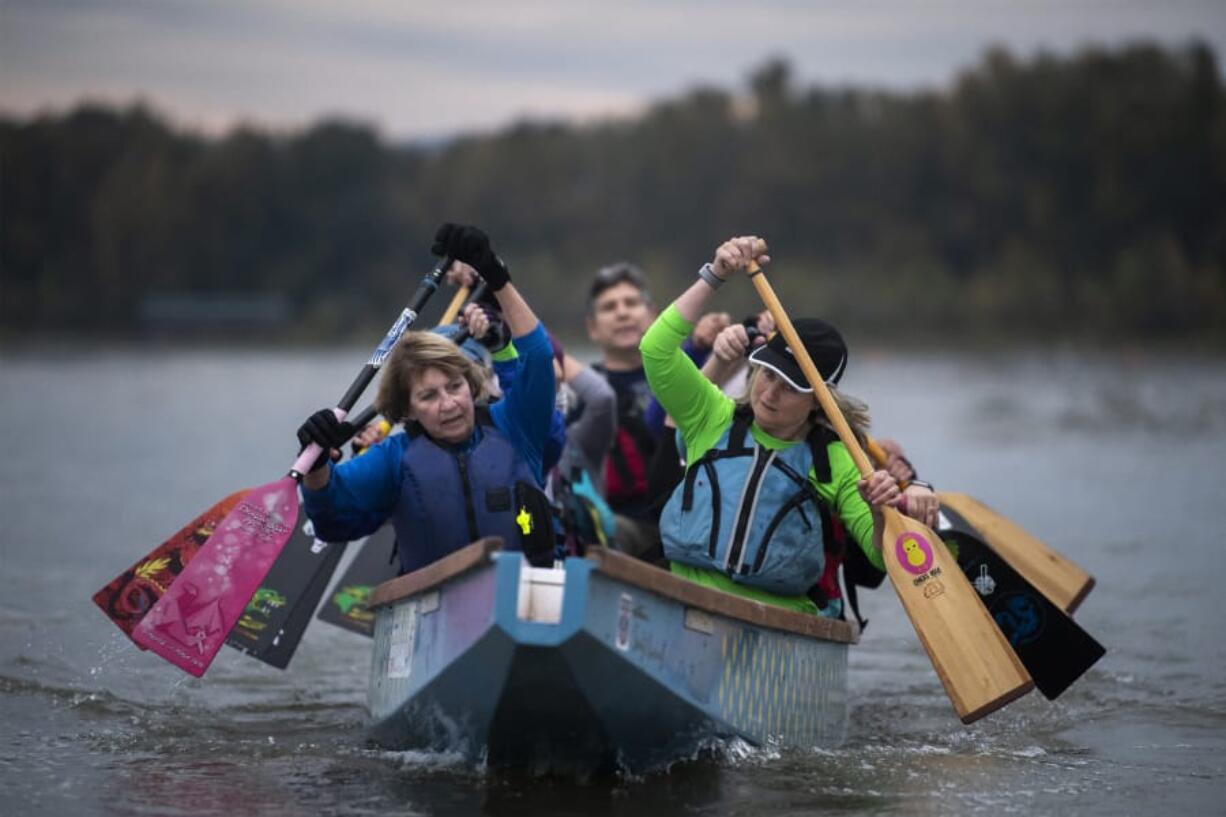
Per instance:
(472,246)
(322,427)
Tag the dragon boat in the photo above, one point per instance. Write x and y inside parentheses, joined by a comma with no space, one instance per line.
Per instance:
(604,662)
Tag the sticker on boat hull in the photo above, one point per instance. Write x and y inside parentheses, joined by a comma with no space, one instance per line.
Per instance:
(400,643)
(625,615)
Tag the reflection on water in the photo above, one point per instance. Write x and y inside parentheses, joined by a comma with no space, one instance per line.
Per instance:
(1113,461)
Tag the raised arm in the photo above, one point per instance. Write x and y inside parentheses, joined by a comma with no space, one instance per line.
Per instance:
(472,246)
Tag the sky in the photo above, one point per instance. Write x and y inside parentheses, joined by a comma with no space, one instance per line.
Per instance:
(423,69)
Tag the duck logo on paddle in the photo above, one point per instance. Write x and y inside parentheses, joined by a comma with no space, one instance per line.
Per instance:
(914,553)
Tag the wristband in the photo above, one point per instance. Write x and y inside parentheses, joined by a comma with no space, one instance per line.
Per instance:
(707,273)
(921,484)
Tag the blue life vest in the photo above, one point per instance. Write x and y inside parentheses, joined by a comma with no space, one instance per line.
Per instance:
(451,498)
(751,512)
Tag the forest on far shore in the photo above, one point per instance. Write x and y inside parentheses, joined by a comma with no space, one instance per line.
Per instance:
(1077,196)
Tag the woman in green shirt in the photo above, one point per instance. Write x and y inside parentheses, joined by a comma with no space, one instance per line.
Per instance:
(764,477)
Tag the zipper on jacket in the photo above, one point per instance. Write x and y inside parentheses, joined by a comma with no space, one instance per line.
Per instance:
(470,512)
(736,548)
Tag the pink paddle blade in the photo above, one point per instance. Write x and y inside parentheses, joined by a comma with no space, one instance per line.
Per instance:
(130,595)
(190,622)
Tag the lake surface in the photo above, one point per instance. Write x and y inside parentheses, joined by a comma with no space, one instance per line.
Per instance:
(1116,460)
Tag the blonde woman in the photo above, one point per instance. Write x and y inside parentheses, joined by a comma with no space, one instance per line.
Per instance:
(462,469)
(764,478)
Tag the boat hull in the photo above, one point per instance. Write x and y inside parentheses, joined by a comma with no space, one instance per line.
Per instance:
(594,665)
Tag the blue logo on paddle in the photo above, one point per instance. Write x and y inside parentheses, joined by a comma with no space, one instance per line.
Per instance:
(1019,618)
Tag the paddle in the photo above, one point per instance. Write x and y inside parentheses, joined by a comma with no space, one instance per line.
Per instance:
(979,671)
(453,308)
(1053,648)
(1063,582)
(191,620)
(1057,577)
(459,337)
(129,596)
(273,622)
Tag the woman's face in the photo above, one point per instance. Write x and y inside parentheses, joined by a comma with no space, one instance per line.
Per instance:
(443,404)
(779,409)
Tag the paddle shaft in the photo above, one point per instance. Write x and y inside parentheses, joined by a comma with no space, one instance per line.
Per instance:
(428,286)
(453,308)
(824,398)
(880,457)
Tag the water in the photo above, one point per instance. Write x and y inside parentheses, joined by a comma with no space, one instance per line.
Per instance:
(1115,460)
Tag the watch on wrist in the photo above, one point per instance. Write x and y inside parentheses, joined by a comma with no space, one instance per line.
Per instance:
(707,273)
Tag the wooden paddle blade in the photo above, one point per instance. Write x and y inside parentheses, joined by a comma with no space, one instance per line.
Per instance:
(129,596)
(1053,575)
(190,622)
(972,658)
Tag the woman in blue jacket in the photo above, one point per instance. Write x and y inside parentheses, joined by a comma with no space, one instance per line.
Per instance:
(462,469)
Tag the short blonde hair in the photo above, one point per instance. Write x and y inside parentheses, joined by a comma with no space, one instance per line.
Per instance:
(416,352)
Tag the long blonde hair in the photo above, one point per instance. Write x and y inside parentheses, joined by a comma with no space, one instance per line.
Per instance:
(416,352)
(854,410)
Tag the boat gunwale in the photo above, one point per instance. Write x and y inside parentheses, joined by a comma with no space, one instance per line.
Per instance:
(632,571)
(641,574)
(454,564)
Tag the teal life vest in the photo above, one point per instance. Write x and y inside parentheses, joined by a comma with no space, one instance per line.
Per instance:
(751,512)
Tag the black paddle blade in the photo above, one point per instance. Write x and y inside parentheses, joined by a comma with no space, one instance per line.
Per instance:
(1055,650)
(286,642)
(346,605)
(273,622)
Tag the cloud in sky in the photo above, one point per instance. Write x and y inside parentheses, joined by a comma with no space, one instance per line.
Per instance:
(426,68)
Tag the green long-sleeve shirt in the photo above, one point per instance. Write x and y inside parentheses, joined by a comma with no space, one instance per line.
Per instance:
(703,413)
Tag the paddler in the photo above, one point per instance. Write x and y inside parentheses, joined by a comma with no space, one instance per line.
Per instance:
(462,469)
(765,474)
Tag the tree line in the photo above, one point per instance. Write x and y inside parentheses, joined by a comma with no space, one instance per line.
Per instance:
(1081,195)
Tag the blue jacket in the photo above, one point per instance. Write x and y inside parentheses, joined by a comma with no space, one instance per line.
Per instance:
(507,369)
(365,491)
